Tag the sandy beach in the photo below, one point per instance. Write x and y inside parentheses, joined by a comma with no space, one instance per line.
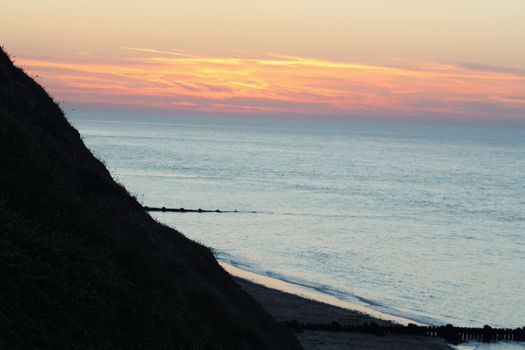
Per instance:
(285,307)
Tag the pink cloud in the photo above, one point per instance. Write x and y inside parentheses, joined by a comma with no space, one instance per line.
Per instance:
(283,84)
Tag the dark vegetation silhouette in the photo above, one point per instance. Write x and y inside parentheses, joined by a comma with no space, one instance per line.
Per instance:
(83,266)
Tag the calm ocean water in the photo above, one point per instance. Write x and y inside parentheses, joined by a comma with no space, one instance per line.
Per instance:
(419,220)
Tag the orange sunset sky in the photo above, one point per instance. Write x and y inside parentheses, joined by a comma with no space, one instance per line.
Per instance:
(409,58)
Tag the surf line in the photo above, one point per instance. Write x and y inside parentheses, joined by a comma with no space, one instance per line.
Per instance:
(185,210)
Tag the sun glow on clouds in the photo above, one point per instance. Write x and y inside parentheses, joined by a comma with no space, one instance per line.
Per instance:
(284,84)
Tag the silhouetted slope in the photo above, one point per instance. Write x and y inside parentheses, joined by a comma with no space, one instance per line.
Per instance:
(83,266)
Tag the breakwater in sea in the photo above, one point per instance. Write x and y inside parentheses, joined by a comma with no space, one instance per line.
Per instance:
(450,333)
(187,210)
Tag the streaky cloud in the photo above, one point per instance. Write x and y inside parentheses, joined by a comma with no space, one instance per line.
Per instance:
(277,83)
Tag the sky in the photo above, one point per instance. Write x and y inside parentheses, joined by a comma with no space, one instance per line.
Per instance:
(460,59)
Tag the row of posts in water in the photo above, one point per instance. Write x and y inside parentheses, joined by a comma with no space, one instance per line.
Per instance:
(185,210)
(451,334)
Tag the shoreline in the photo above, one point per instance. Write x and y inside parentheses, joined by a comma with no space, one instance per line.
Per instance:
(284,306)
(286,302)
(316,296)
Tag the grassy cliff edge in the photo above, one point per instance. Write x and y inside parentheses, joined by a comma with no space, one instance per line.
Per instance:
(82,266)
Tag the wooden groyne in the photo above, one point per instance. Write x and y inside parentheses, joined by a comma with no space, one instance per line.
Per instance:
(450,333)
(185,210)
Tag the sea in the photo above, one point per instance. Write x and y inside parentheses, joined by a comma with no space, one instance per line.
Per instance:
(419,219)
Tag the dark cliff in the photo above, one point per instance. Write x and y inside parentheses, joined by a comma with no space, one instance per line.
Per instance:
(82,266)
